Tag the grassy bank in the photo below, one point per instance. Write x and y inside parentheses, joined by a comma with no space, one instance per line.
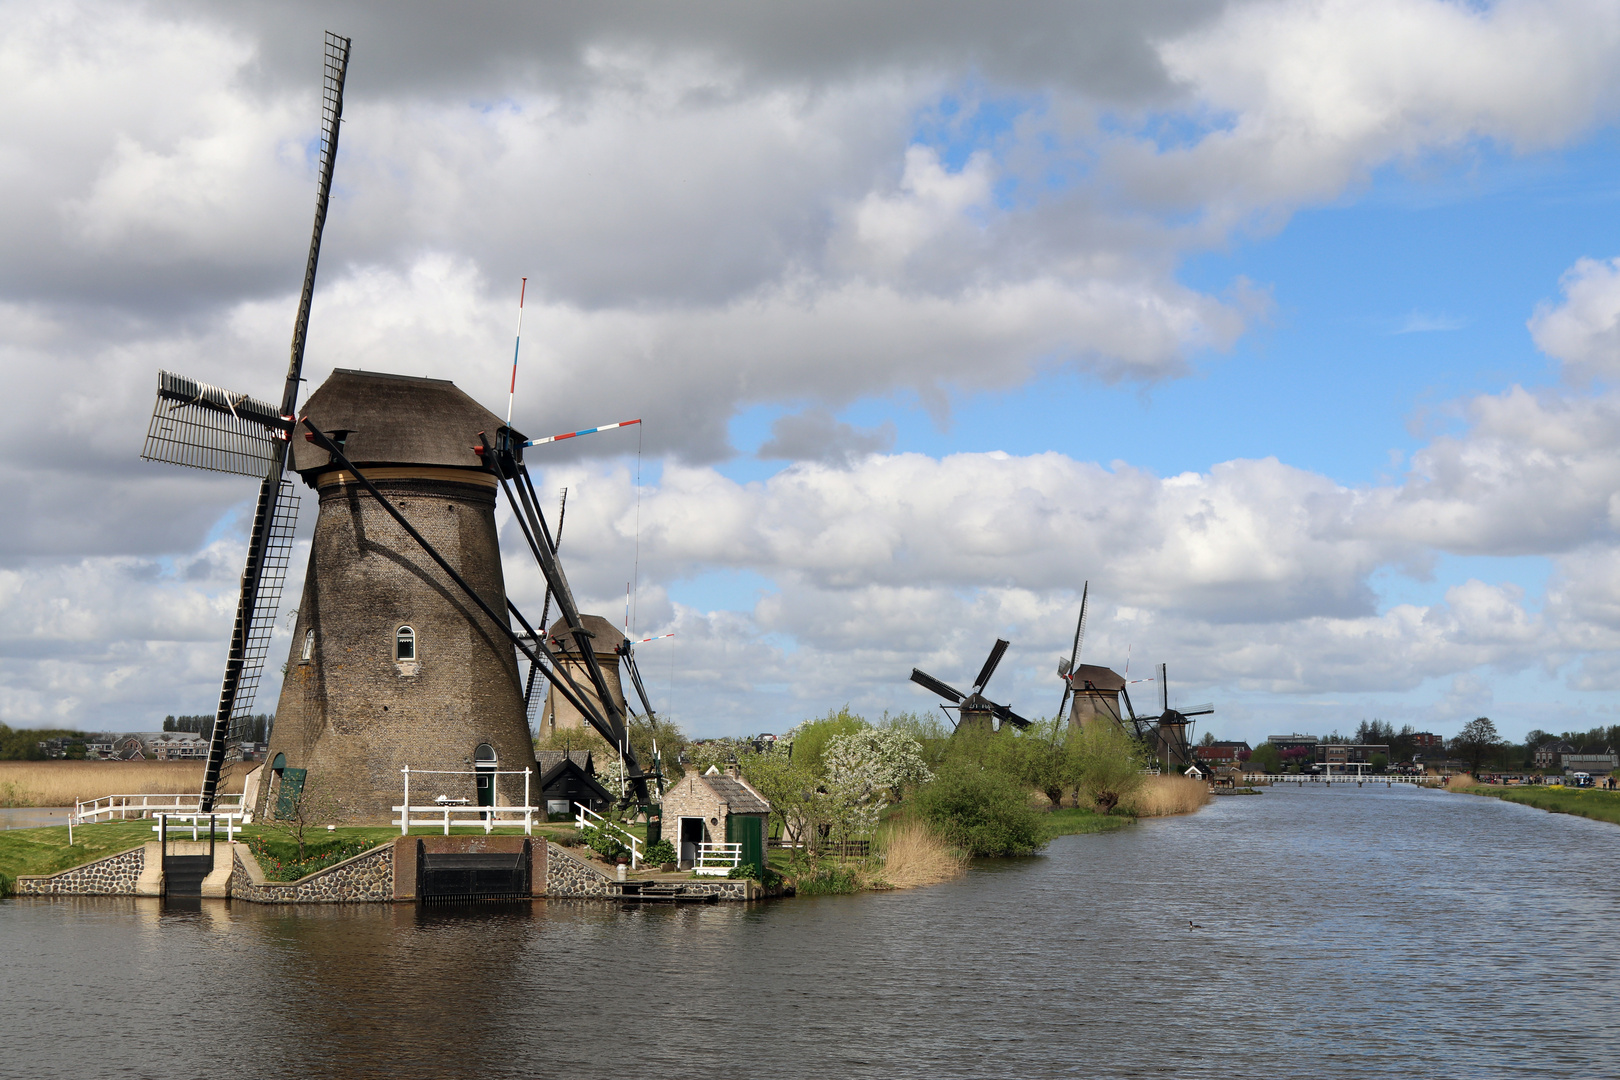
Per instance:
(61,783)
(1073,821)
(1581,802)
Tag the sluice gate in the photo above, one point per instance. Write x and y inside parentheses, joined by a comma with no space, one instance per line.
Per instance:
(460,876)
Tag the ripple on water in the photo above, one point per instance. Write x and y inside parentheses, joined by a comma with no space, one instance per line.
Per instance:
(1339,933)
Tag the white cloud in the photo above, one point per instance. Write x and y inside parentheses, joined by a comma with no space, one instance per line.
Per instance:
(1584,331)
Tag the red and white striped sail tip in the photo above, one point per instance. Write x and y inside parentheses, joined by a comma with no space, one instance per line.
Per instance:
(576,434)
(644,640)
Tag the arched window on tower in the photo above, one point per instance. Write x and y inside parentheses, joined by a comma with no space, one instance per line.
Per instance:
(405,644)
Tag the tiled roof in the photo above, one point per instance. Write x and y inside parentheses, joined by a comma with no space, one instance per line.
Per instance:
(739,796)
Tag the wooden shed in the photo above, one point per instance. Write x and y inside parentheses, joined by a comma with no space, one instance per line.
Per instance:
(714,808)
(569,777)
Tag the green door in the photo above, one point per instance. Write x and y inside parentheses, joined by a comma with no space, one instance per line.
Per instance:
(748,831)
(292,789)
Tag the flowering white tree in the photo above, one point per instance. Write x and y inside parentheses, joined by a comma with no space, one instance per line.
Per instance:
(866,770)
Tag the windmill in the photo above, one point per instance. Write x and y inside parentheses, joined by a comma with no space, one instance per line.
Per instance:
(975,710)
(1173,726)
(206,427)
(403,650)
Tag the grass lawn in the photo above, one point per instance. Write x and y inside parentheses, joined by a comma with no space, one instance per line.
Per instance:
(1582,802)
(1071,820)
(46,850)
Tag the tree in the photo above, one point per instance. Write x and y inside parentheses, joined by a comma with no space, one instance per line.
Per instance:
(1042,757)
(1378,762)
(889,760)
(308,808)
(1208,739)
(1477,740)
(982,812)
(1108,764)
(1266,758)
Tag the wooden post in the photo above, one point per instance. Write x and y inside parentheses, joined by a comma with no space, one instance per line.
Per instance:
(405,811)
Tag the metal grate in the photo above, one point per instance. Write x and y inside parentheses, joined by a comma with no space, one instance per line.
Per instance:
(206,427)
(277,556)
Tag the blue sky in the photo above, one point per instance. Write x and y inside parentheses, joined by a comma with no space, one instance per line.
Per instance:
(1289,326)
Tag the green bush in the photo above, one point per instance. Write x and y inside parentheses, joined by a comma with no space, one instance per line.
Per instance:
(767,877)
(604,843)
(661,852)
(983,813)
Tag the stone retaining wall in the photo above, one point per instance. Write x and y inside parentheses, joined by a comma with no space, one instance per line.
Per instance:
(567,875)
(114,875)
(366,878)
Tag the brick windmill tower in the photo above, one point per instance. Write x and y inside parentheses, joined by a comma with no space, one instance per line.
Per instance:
(391,664)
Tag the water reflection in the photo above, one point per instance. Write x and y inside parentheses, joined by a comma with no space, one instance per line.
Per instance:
(1331,933)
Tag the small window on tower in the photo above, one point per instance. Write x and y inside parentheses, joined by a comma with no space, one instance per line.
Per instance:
(405,644)
(309,644)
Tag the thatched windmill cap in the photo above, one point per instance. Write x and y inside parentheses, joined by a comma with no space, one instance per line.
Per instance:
(395,420)
(1100,677)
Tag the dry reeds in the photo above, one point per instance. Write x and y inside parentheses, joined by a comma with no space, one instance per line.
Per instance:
(61,783)
(913,854)
(1162,796)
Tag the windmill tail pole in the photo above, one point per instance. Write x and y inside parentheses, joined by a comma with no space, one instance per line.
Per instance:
(517,344)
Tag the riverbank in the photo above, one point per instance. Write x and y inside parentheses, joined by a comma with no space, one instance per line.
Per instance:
(1581,802)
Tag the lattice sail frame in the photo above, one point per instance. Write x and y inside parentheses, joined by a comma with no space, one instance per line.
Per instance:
(272,577)
(206,427)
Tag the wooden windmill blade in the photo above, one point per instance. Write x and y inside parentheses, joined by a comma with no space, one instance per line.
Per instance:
(205,427)
(1074,654)
(944,690)
(997,651)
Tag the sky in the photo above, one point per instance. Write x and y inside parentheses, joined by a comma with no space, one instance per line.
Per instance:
(1291,327)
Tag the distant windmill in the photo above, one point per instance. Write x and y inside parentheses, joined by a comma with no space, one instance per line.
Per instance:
(976,710)
(1174,726)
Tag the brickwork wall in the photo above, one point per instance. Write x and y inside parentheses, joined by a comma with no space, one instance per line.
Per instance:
(366,878)
(353,716)
(113,876)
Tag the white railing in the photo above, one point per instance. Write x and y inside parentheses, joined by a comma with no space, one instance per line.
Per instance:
(166,824)
(1340,778)
(120,807)
(586,818)
(717,860)
(446,812)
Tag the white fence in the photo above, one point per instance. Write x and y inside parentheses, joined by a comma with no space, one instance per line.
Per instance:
(717,860)
(169,824)
(120,807)
(460,813)
(586,818)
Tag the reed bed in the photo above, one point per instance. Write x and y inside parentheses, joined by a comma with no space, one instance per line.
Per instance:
(1163,796)
(913,855)
(61,783)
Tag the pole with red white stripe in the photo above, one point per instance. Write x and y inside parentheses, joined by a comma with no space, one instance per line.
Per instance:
(517,343)
(576,434)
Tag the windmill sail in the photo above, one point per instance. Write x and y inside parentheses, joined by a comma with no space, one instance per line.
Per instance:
(271,540)
(205,427)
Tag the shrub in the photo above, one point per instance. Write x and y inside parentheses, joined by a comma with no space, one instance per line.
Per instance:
(981,813)
(604,843)
(661,852)
(766,876)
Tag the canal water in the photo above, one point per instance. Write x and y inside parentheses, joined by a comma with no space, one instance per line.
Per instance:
(1314,933)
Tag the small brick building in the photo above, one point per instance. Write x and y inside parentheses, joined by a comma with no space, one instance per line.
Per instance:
(391,663)
(714,808)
